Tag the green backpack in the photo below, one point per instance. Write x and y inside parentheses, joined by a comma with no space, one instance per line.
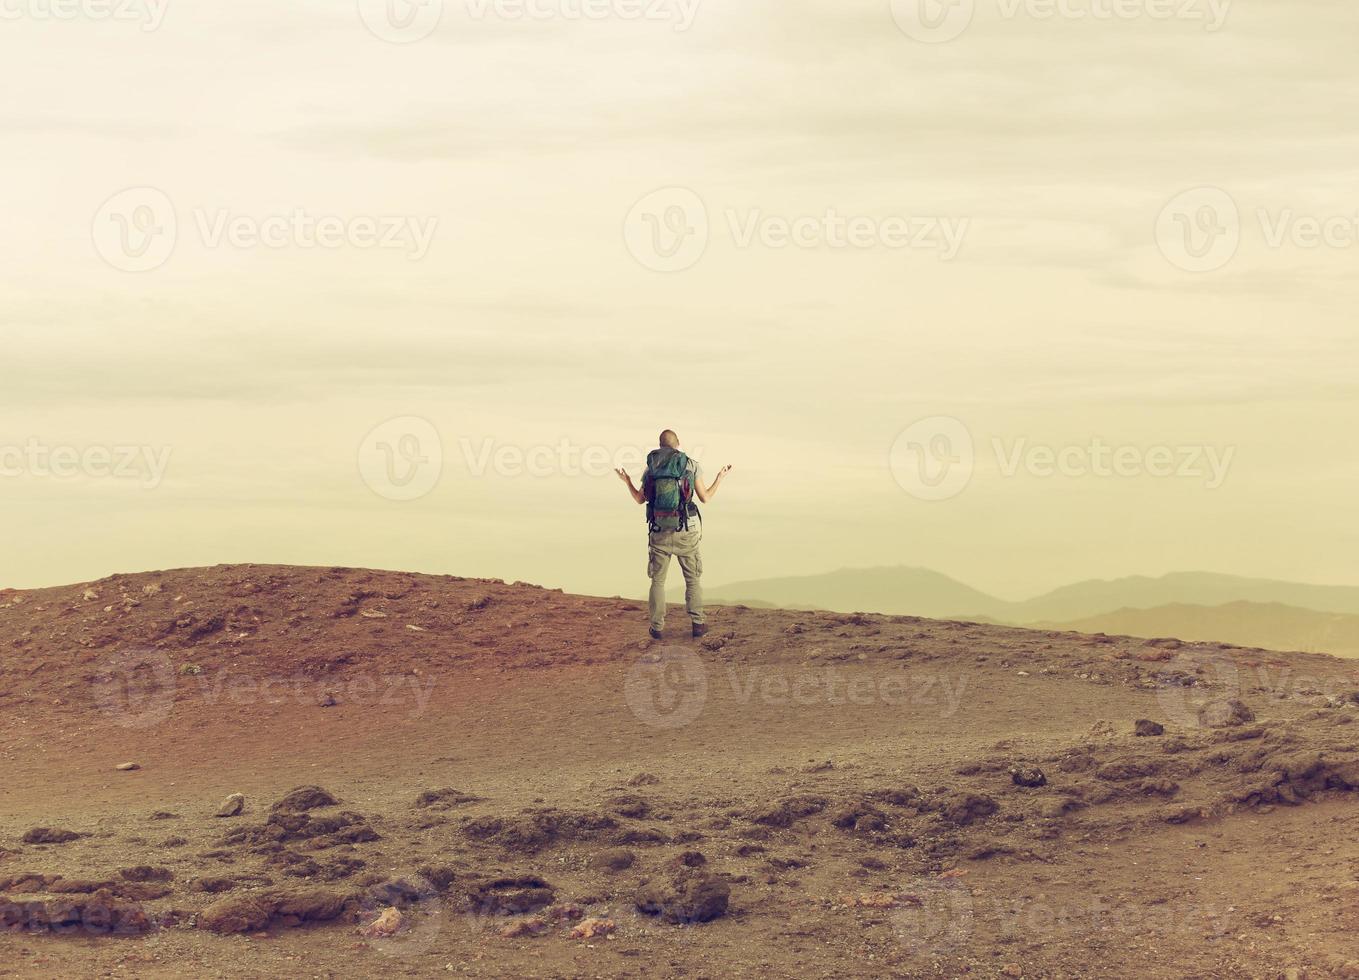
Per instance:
(668,490)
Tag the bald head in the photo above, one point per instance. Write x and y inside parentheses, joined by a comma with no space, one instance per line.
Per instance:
(669,440)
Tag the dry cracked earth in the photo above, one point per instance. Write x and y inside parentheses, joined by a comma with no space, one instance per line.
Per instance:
(256,771)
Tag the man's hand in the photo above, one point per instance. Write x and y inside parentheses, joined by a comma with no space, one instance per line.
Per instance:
(706,494)
(637,495)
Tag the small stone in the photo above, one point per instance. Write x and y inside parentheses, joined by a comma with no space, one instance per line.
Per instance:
(1146,728)
(532,926)
(614,859)
(593,928)
(1030,776)
(127,767)
(1225,714)
(326,700)
(386,924)
(231,806)
(90,595)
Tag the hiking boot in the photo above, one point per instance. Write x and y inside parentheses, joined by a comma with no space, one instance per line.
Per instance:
(655,633)
(700,629)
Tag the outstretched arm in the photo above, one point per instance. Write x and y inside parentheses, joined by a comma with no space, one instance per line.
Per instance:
(637,495)
(706,494)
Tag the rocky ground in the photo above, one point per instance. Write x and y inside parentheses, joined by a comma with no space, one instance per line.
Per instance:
(260,771)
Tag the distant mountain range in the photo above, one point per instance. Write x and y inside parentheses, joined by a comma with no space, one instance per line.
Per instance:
(1256,624)
(1188,605)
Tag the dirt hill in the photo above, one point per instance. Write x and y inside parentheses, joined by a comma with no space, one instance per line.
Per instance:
(442,775)
(1271,625)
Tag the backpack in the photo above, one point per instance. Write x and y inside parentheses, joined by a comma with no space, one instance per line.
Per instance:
(668,490)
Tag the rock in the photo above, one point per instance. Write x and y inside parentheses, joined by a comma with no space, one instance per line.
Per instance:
(326,700)
(443,799)
(1030,776)
(237,913)
(387,924)
(689,859)
(247,913)
(532,926)
(1225,714)
(593,928)
(90,595)
(144,872)
(231,806)
(962,809)
(50,835)
(27,883)
(101,912)
(1146,728)
(688,897)
(305,798)
(127,767)
(614,859)
(511,895)
(644,779)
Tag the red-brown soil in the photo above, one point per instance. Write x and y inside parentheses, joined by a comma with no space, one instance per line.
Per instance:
(796,795)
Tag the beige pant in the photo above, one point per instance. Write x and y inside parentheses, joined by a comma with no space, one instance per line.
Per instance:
(684,546)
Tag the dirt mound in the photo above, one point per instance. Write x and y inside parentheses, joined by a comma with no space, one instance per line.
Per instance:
(501,764)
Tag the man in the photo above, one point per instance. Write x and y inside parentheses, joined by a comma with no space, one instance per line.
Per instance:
(674,525)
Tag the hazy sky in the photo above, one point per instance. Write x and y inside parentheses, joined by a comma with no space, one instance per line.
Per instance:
(1124,231)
